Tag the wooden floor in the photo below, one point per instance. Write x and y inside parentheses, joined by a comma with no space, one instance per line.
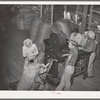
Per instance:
(11,62)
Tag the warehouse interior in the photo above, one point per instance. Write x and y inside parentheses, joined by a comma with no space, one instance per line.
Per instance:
(37,22)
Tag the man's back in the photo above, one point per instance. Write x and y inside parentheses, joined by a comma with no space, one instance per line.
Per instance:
(90,45)
(74,53)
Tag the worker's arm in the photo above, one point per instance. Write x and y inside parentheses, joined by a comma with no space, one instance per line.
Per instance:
(71,37)
(65,55)
(36,52)
(26,63)
(44,66)
(24,52)
(88,49)
(68,59)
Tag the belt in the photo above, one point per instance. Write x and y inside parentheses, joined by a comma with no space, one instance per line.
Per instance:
(31,61)
(70,64)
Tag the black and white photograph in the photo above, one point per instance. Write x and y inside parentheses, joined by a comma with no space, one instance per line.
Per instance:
(50,47)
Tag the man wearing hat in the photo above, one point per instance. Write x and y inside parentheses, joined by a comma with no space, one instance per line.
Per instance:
(69,67)
(90,46)
(30,51)
(31,66)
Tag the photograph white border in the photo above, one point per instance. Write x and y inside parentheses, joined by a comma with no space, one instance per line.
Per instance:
(50,94)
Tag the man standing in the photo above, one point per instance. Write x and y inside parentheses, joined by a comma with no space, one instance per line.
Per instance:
(30,51)
(69,67)
(90,46)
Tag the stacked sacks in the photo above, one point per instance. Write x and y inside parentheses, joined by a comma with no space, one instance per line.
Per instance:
(26,14)
(19,21)
(39,31)
(30,15)
(62,25)
(65,26)
(43,33)
(34,28)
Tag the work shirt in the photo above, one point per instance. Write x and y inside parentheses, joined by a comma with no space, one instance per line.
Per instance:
(84,40)
(31,51)
(77,38)
(74,53)
(90,46)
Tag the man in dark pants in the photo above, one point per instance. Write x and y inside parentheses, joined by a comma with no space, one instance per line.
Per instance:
(90,46)
(69,67)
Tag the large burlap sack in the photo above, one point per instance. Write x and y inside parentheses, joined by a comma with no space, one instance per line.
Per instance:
(27,80)
(65,26)
(62,25)
(41,57)
(19,22)
(44,32)
(34,29)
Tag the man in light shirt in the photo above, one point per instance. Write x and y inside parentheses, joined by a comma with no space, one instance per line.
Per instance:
(30,50)
(76,36)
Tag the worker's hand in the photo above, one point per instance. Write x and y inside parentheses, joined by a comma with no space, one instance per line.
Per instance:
(64,55)
(47,64)
(80,48)
(25,67)
(42,66)
(27,59)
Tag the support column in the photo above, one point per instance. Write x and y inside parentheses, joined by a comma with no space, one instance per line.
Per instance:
(84,18)
(40,11)
(52,7)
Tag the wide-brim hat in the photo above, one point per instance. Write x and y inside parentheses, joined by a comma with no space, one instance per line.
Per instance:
(28,42)
(91,34)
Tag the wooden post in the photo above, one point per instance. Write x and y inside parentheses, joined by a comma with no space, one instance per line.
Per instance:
(47,13)
(84,18)
(90,18)
(41,11)
(77,10)
(65,8)
(52,8)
